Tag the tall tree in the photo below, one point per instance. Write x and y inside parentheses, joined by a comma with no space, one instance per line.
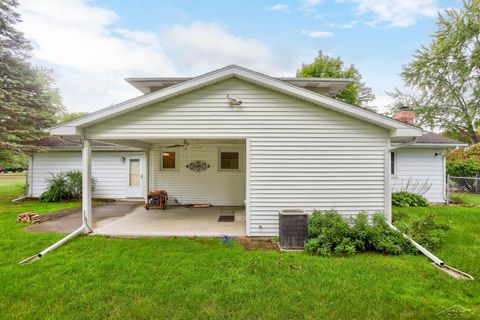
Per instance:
(324,66)
(29,103)
(70,116)
(445,76)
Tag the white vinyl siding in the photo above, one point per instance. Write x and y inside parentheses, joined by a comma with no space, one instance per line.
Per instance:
(210,186)
(314,173)
(421,165)
(301,155)
(108,169)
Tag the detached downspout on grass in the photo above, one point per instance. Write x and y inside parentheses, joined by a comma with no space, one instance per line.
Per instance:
(53,246)
(437,261)
(86,204)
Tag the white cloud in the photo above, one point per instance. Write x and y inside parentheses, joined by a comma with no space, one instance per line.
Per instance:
(90,60)
(311,3)
(202,46)
(381,103)
(396,13)
(309,6)
(90,57)
(279,7)
(318,34)
(348,25)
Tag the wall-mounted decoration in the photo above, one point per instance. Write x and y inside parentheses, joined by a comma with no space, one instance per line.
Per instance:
(198,166)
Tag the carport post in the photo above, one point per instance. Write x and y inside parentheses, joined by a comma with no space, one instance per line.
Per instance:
(87,186)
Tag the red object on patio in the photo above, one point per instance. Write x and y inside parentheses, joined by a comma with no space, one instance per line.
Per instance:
(156,200)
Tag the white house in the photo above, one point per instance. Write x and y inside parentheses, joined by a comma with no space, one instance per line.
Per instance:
(237,137)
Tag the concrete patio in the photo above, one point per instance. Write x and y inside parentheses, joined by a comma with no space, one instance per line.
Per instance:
(68,220)
(176,221)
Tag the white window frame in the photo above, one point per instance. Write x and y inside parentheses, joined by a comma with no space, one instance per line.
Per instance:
(394,158)
(240,163)
(177,156)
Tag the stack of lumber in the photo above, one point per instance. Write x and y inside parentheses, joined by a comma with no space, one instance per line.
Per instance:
(28,217)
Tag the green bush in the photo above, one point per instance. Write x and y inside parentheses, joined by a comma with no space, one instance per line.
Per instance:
(64,186)
(425,230)
(463,168)
(407,199)
(457,198)
(330,234)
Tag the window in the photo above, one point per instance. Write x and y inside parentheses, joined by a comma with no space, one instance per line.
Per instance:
(169,160)
(393,163)
(229,160)
(134,173)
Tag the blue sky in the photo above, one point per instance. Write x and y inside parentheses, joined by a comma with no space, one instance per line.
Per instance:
(93,45)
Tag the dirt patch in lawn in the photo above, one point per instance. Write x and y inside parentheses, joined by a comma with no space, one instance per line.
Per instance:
(250,244)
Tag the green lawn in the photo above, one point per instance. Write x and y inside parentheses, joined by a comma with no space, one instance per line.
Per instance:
(97,277)
(469,198)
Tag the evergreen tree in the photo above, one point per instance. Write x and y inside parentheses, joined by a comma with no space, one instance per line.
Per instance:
(29,103)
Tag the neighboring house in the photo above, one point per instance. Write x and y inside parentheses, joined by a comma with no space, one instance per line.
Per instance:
(238,137)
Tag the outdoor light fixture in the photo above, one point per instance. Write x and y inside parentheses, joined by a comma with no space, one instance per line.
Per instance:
(123,159)
(234,101)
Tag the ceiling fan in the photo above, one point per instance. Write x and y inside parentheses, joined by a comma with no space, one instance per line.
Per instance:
(185,145)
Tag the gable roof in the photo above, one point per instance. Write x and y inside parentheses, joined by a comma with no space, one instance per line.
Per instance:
(75,127)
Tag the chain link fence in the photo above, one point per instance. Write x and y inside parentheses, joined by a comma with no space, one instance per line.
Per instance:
(458,188)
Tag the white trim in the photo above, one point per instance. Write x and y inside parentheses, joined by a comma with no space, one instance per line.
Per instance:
(30,174)
(128,193)
(73,127)
(87,186)
(432,145)
(388,187)
(146,174)
(247,186)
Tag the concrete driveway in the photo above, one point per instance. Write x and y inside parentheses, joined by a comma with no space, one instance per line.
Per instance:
(66,221)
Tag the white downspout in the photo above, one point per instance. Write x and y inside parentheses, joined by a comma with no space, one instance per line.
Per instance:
(87,186)
(86,204)
(458,274)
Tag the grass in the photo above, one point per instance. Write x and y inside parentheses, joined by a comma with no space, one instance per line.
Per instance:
(468,198)
(98,277)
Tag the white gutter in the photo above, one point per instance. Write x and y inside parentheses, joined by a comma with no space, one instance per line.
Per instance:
(405,144)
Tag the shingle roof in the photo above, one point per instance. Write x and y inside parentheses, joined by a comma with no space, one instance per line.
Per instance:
(434,138)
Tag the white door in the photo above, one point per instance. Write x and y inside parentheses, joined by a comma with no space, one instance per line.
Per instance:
(134,177)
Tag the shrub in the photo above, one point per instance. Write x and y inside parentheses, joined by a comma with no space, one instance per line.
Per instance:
(463,168)
(425,230)
(330,234)
(407,199)
(457,198)
(64,186)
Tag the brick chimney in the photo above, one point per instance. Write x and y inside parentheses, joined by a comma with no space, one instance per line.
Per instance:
(405,114)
